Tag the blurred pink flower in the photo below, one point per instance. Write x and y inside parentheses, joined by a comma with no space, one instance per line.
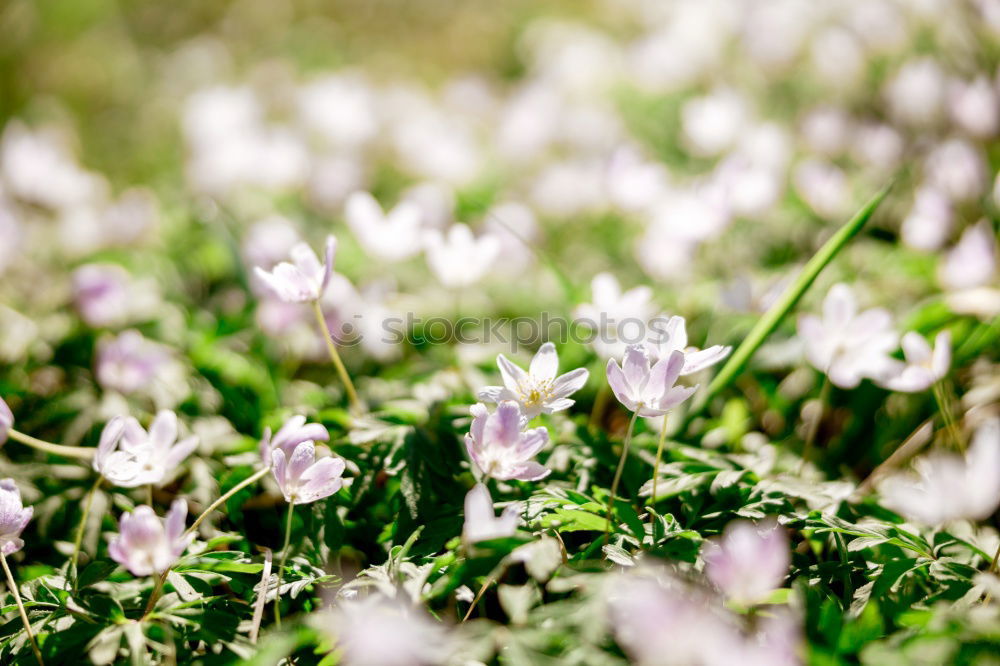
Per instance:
(130,362)
(645,387)
(972,262)
(748,562)
(6,421)
(305,279)
(923,366)
(13,517)
(538,390)
(457,258)
(392,236)
(145,545)
(100,292)
(481,522)
(303,479)
(498,446)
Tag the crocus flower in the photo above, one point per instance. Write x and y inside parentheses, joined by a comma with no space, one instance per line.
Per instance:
(303,479)
(391,236)
(673,337)
(129,456)
(145,545)
(457,258)
(305,279)
(290,435)
(923,366)
(538,390)
(946,486)
(845,344)
(6,421)
(748,562)
(481,523)
(648,388)
(616,316)
(13,517)
(499,447)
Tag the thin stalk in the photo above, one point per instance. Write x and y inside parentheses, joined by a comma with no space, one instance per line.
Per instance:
(256,476)
(335,357)
(600,402)
(944,408)
(78,542)
(82,452)
(618,472)
(281,565)
(656,471)
(20,609)
(824,397)
(791,296)
(479,595)
(155,593)
(149,494)
(992,569)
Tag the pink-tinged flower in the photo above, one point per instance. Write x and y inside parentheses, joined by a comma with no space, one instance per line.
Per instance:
(845,344)
(145,545)
(6,421)
(13,517)
(927,225)
(748,562)
(648,388)
(923,366)
(290,435)
(945,486)
(305,279)
(128,456)
(457,258)
(101,294)
(501,448)
(972,262)
(391,236)
(481,522)
(614,315)
(130,362)
(673,337)
(303,479)
(538,390)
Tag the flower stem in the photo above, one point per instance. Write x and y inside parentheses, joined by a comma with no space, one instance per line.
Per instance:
(78,542)
(49,447)
(335,357)
(991,570)
(656,472)
(600,402)
(618,472)
(281,565)
(155,593)
(20,609)
(824,397)
(256,476)
(944,407)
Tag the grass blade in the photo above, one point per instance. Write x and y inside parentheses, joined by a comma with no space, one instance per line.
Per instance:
(776,314)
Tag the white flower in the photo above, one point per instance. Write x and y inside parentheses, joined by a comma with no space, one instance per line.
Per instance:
(846,345)
(948,487)
(923,366)
(481,523)
(303,479)
(14,517)
(305,279)
(458,259)
(6,421)
(974,106)
(958,168)
(129,456)
(748,562)
(145,545)
(538,390)
(392,236)
(972,262)
(617,318)
(499,445)
(645,387)
(673,337)
(929,222)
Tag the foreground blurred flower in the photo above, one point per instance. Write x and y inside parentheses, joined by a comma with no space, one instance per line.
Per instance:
(145,545)
(457,258)
(128,456)
(673,337)
(13,517)
(481,522)
(6,421)
(949,487)
(846,345)
(923,366)
(648,388)
(391,236)
(748,562)
(378,631)
(612,314)
(498,446)
(303,479)
(305,279)
(538,390)
(290,435)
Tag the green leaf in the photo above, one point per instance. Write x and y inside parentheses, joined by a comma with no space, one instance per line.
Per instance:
(95,572)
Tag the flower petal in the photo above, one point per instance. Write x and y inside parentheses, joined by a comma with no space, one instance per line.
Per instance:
(545,363)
